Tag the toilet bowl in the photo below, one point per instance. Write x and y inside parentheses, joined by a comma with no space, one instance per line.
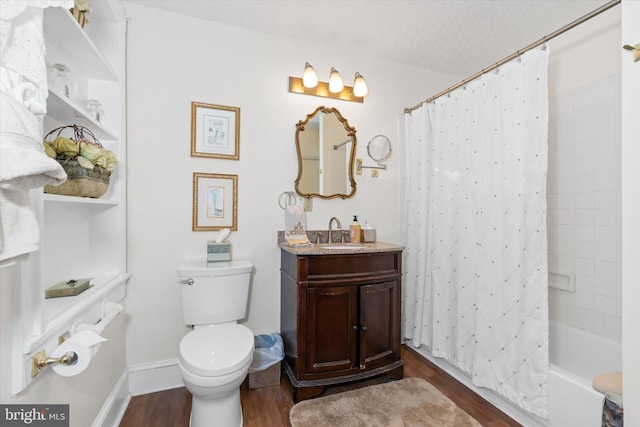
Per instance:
(215,356)
(214,360)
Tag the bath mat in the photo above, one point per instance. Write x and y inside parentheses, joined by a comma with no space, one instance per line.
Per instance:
(407,402)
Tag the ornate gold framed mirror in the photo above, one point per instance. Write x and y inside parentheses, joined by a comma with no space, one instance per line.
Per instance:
(326,147)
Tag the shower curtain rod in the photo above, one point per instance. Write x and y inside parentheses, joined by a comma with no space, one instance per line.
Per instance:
(543,40)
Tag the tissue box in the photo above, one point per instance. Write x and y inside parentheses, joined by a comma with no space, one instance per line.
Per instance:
(218,252)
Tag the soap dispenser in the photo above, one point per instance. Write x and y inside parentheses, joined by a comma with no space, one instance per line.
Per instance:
(355,235)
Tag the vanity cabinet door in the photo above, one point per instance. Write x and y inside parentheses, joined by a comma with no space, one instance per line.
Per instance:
(331,330)
(379,328)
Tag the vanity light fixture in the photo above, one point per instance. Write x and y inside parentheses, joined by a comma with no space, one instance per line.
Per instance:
(309,78)
(335,88)
(335,81)
(360,86)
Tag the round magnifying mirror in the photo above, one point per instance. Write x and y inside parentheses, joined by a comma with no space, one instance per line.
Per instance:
(379,148)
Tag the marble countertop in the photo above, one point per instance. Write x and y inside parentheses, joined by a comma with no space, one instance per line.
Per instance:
(341,248)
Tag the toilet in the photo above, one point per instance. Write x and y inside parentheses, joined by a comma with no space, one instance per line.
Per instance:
(215,356)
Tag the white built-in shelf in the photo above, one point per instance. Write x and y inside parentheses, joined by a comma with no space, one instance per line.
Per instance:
(57,198)
(64,110)
(62,29)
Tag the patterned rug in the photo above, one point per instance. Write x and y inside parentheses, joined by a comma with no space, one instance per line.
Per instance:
(407,402)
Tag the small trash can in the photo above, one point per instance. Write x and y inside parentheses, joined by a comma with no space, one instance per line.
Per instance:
(265,367)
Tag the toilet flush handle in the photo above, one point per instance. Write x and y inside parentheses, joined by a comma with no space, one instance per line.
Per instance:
(188,281)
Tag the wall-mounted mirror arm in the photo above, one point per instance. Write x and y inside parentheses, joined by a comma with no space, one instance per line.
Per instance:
(360,166)
(336,146)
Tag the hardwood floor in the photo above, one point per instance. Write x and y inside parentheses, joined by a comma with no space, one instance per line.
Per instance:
(270,406)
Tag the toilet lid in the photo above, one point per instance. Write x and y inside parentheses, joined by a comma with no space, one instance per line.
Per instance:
(216,350)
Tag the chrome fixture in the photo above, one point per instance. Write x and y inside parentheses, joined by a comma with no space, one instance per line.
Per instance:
(339,227)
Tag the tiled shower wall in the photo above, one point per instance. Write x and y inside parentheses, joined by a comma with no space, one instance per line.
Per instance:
(584,232)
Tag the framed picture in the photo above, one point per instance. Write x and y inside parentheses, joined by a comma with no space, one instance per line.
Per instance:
(215,202)
(215,131)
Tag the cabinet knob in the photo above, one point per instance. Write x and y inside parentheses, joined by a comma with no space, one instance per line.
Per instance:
(354,327)
(363,327)
(188,281)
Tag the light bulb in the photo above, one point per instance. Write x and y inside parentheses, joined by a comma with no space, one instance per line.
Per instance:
(309,78)
(360,86)
(335,81)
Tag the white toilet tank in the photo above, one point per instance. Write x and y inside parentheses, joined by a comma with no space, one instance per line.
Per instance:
(214,293)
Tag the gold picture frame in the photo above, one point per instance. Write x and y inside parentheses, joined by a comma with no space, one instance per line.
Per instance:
(215,131)
(215,202)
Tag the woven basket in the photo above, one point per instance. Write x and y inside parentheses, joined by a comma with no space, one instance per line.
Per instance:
(81,182)
(266,378)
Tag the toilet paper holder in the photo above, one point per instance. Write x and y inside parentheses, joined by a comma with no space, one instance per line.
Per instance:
(40,360)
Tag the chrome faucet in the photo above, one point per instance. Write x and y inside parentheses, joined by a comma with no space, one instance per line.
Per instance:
(338,225)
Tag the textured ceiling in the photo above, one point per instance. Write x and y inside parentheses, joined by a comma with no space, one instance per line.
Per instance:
(458,37)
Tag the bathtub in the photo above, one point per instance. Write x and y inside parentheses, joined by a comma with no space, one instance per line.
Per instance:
(576,357)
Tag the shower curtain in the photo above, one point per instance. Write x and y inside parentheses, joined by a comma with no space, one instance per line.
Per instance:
(474,195)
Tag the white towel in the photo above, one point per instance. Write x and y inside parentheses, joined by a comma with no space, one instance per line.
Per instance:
(23,166)
(295,226)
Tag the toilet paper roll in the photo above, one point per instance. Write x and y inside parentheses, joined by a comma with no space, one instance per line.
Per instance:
(84,344)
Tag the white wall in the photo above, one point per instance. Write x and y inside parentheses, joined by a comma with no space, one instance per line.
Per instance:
(584,181)
(174,60)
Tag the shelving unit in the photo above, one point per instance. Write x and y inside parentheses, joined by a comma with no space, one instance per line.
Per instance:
(80,237)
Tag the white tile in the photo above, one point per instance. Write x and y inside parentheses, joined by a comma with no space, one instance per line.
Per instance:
(563,263)
(605,305)
(583,216)
(564,216)
(564,247)
(583,200)
(566,232)
(604,147)
(584,151)
(604,200)
(605,165)
(605,182)
(605,270)
(564,201)
(605,217)
(564,169)
(583,126)
(584,283)
(612,327)
(582,318)
(606,287)
(583,183)
(605,235)
(577,298)
(562,153)
(583,166)
(584,250)
(605,252)
(565,185)
(583,233)
(583,266)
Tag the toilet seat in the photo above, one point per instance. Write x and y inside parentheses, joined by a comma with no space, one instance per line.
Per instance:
(217,350)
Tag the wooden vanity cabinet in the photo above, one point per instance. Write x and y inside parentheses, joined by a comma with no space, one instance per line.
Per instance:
(340,318)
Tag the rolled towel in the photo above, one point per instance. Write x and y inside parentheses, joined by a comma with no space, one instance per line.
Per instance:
(610,383)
